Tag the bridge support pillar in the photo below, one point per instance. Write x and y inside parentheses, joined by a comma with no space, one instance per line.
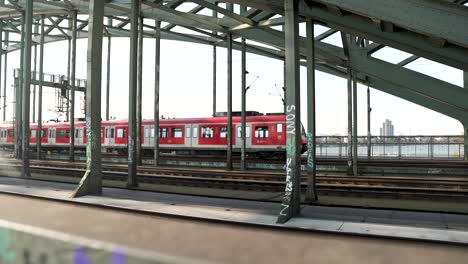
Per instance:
(36,31)
(72,83)
(18,95)
(157,84)
(41,79)
(5,78)
(139,92)
(109,42)
(132,96)
(91,183)
(350,122)
(355,124)
(26,71)
(229,102)
(465,124)
(290,206)
(311,193)
(215,14)
(369,135)
(244,105)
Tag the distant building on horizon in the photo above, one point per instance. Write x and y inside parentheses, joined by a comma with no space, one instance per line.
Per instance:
(387,129)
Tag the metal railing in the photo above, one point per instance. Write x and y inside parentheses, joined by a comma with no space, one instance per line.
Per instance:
(397,147)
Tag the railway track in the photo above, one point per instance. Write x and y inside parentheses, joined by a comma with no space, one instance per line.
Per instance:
(413,187)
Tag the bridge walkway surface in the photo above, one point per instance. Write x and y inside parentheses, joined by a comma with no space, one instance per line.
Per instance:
(235,231)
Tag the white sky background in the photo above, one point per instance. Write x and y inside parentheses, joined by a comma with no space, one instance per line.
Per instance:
(186,87)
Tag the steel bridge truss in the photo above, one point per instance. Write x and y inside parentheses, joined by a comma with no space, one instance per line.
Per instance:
(434,29)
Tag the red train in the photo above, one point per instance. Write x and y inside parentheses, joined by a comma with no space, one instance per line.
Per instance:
(265,135)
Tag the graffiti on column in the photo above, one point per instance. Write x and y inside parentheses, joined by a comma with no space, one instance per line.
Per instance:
(290,152)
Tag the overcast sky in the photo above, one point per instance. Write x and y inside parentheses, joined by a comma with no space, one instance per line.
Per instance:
(186,87)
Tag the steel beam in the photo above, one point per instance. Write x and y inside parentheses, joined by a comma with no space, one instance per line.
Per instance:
(215,15)
(41,79)
(229,102)
(109,41)
(311,193)
(244,105)
(139,138)
(465,124)
(369,135)
(18,95)
(1,54)
(350,123)
(72,83)
(36,30)
(5,77)
(157,84)
(91,183)
(355,124)
(132,96)
(290,206)
(243,10)
(26,71)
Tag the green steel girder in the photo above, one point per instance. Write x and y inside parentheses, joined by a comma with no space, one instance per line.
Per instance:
(454,53)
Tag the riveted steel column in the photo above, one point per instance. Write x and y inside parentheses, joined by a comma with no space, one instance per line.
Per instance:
(229,102)
(72,84)
(215,14)
(243,121)
(109,38)
(26,86)
(369,135)
(355,133)
(67,115)
(18,95)
(290,206)
(139,139)
(91,183)
(230,7)
(465,85)
(36,30)
(41,80)
(350,122)
(311,193)
(132,95)
(1,54)
(5,68)
(156,91)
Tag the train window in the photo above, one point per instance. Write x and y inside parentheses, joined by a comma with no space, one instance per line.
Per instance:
(11,134)
(33,133)
(67,133)
(223,132)
(163,132)
(279,128)
(43,133)
(60,134)
(52,133)
(147,132)
(112,132)
(195,132)
(120,132)
(152,132)
(177,133)
(207,132)
(187,132)
(107,133)
(261,132)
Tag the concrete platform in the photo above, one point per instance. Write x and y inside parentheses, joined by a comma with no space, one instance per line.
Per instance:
(441,227)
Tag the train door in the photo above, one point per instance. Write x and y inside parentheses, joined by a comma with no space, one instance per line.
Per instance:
(148,136)
(3,136)
(51,136)
(248,134)
(188,136)
(110,136)
(79,136)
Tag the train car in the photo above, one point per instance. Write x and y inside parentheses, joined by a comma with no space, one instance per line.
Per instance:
(265,135)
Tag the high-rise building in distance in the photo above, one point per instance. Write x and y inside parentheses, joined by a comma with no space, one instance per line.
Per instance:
(387,129)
